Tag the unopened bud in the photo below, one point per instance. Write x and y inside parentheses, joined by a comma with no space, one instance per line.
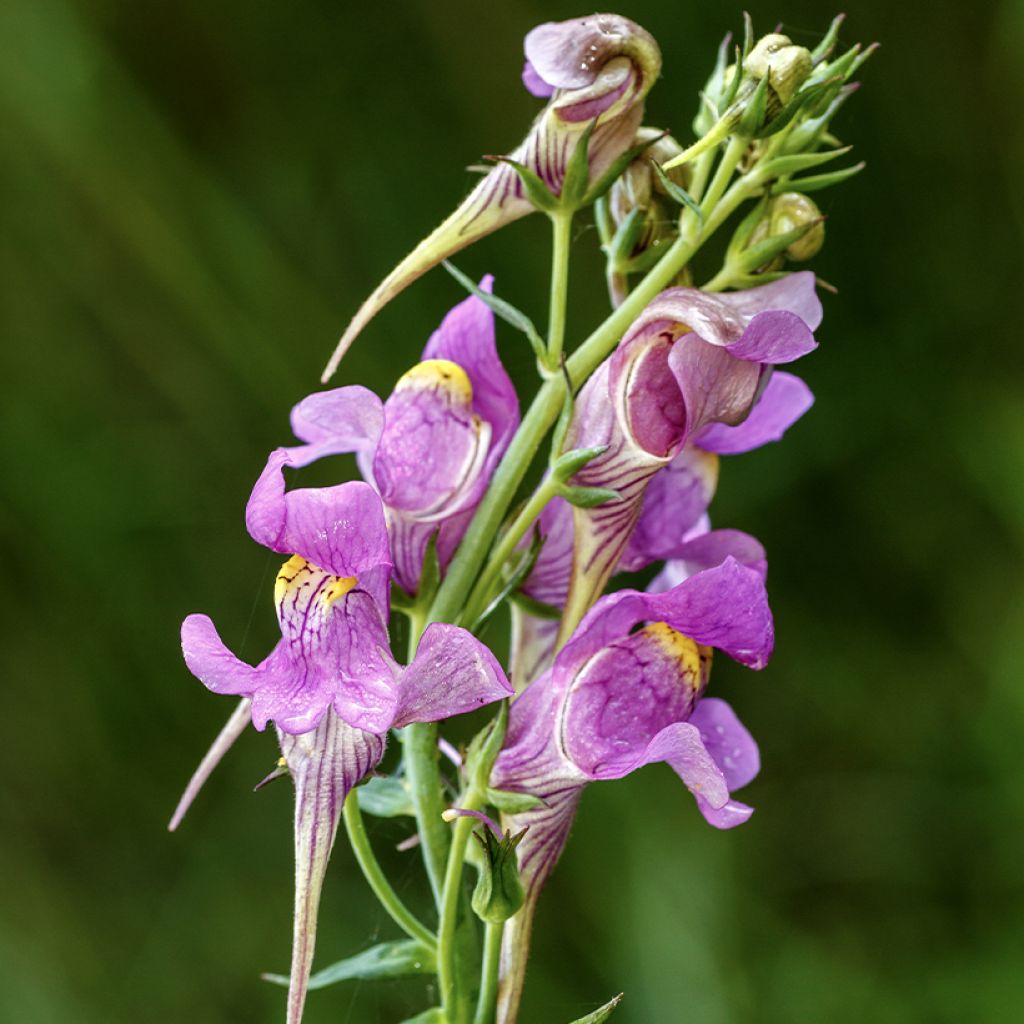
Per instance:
(499,891)
(792,210)
(786,65)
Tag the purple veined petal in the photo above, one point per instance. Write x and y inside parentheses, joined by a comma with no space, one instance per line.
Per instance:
(216,667)
(716,386)
(549,579)
(704,550)
(727,741)
(729,815)
(341,528)
(724,607)
(433,446)
(534,84)
(774,336)
(466,337)
(626,694)
(676,499)
(452,673)
(784,400)
(794,293)
(532,646)
(570,54)
(233,728)
(335,422)
(324,766)
(680,746)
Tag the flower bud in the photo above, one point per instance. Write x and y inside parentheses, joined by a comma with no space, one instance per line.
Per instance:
(786,64)
(499,891)
(792,210)
(640,189)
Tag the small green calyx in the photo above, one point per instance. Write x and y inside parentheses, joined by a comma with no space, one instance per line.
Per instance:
(499,890)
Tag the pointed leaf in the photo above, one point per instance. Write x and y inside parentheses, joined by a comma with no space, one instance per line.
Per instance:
(824,48)
(577,170)
(616,167)
(501,309)
(589,497)
(513,803)
(677,192)
(626,236)
(601,1014)
(572,462)
(386,797)
(388,960)
(784,165)
(754,109)
(816,182)
(536,191)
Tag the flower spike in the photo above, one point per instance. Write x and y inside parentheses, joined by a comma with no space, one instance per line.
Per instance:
(597,71)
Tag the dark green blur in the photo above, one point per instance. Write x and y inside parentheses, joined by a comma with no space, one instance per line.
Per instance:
(194,198)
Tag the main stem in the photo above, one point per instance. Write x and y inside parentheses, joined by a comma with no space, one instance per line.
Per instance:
(381,887)
(488,996)
(561,235)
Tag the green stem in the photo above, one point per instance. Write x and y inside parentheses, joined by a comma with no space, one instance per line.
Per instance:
(489,975)
(544,411)
(424,776)
(374,874)
(450,899)
(507,545)
(561,236)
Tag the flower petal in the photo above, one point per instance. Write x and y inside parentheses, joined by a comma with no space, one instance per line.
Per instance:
(675,501)
(324,766)
(340,529)
(214,665)
(334,422)
(535,85)
(724,607)
(774,336)
(727,741)
(452,673)
(795,293)
(784,400)
(466,337)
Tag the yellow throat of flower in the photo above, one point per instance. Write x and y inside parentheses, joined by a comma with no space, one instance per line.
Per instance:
(442,374)
(297,573)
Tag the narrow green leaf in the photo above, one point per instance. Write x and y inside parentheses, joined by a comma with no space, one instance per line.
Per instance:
(784,165)
(501,309)
(615,168)
(677,192)
(523,569)
(577,171)
(752,118)
(764,252)
(816,182)
(536,191)
(538,609)
(748,34)
(513,803)
(598,1016)
(385,797)
(824,48)
(387,960)
(626,237)
(589,497)
(572,462)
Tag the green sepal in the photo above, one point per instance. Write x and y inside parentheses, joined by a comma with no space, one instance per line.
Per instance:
(577,171)
(785,165)
(513,803)
(748,36)
(538,609)
(816,182)
(570,463)
(589,497)
(499,891)
(601,1014)
(713,91)
(536,191)
(745,229)
(677,192)
(385,796)
(828,40)
(603,222)
(626,237)
(734,82)
(802,100)
(395,959)
(764,252)
(501,309)
(755,108)
(615,169)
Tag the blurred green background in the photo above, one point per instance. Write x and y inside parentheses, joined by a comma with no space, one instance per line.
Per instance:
(195,197)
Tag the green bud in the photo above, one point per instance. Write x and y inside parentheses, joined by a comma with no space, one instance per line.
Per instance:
(499,891)
(793,210)
(786,66)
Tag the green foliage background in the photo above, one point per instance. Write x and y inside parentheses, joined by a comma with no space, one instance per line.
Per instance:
(195,197)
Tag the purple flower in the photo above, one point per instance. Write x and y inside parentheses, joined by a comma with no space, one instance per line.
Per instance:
(694,370)
(432,446)
(331,685)
(617,698)
(597,68)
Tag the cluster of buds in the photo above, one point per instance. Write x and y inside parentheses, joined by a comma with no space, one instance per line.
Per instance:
(601,679)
